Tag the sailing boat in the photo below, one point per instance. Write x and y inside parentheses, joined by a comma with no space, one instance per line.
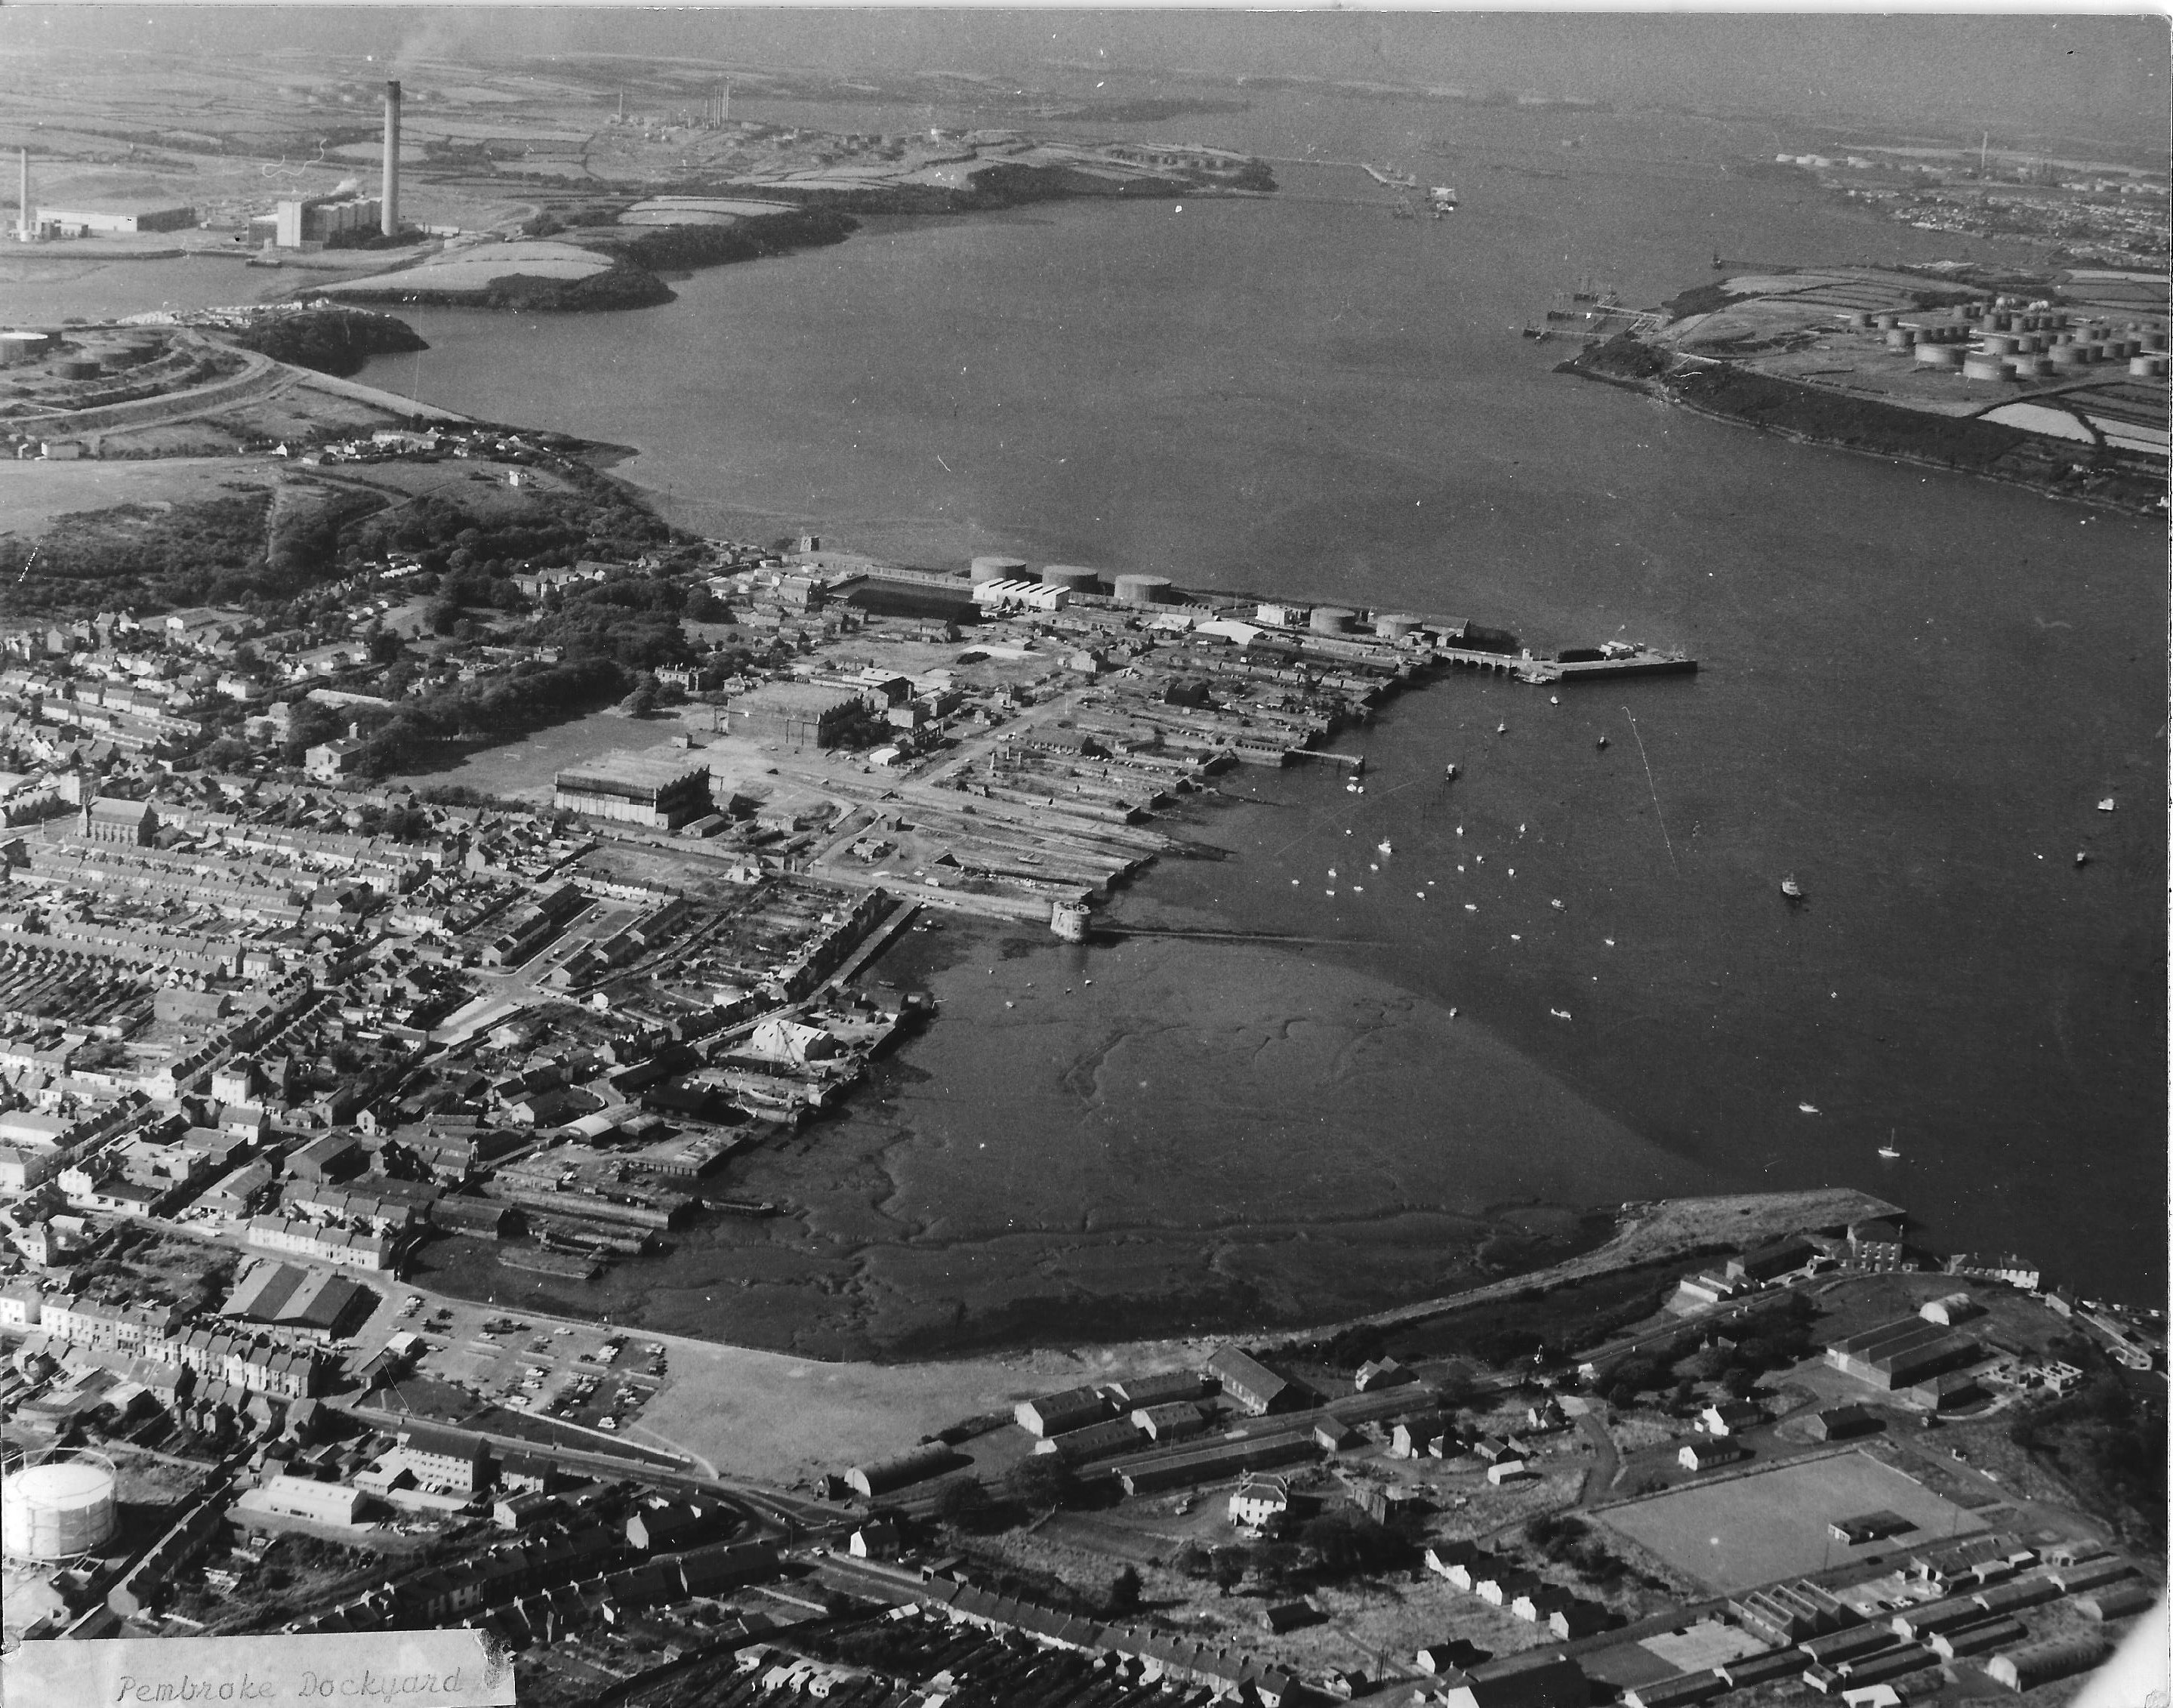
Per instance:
(1887,1150)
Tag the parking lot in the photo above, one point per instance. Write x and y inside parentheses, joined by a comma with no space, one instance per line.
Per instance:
(597,1377)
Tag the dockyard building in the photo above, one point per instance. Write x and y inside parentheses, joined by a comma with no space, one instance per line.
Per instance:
(661,789)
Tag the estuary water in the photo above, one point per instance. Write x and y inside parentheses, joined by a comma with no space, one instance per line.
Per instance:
(1915,690)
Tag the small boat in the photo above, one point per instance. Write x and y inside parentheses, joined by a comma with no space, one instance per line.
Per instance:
(1790,888)
(1559,1013)
(1554,699)
(1808,1108)
(2082,857)
(1382,847)
(1450,774)
(2106,806)
(1603,741)
(1556,905)
(1503,729)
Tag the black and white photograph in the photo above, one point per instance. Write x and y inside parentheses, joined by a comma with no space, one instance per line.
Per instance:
(993,857)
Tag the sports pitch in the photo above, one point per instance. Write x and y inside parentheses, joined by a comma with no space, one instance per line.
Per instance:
(1744,1531)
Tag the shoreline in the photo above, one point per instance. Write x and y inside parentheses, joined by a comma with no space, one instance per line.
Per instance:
(1657,386)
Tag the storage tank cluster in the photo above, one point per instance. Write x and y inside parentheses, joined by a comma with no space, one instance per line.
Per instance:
(56,1508)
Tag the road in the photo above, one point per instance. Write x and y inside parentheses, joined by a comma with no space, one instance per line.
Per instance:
(1606,1460)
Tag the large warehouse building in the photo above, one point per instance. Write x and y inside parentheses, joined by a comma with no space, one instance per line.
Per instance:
(662,789)
(796,714)
(1900,1354)
(71,222)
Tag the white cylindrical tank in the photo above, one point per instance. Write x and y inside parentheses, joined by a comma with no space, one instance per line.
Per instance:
(996,569)
(56,1508)
(20,346)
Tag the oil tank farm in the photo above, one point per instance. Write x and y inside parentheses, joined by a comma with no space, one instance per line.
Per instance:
(56,1507)
(1073,578)
(996,569)
(1143,589)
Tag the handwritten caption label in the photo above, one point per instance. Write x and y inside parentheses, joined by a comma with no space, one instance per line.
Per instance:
(377,1669)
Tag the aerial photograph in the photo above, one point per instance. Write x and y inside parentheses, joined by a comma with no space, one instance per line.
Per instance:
(1044,859)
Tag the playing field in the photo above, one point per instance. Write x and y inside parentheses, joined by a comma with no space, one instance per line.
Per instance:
(1752,1530)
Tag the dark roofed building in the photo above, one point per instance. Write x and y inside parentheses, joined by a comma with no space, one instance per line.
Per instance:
(1902,1354)
(1254,1387)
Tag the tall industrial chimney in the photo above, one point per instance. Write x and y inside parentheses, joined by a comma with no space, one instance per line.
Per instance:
(22,224)
(389,196)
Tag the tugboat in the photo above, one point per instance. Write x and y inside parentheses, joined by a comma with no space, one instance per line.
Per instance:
(1793,890)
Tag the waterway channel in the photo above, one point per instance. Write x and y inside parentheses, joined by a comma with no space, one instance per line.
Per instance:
(1916,688)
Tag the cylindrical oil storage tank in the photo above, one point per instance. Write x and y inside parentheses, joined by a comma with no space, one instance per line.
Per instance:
(1332,619)
(20,346)
(1072,577)
(2154,341)
(1143,589)
(2066,356)
(903,1470)
(2035,367)
(77,368)
(2145,366)
(1985,368)
(1946,356)
(1900,338)
(1396,626)
(996,569)
(1998,344)
(1886,323)
(56,1508)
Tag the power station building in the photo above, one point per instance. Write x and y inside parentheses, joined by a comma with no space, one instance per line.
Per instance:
(316,219)
(661,789)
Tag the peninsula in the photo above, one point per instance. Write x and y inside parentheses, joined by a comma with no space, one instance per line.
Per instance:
(2056,382)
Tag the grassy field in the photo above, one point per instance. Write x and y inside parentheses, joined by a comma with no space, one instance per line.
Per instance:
(523,770)
(1743,1531)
